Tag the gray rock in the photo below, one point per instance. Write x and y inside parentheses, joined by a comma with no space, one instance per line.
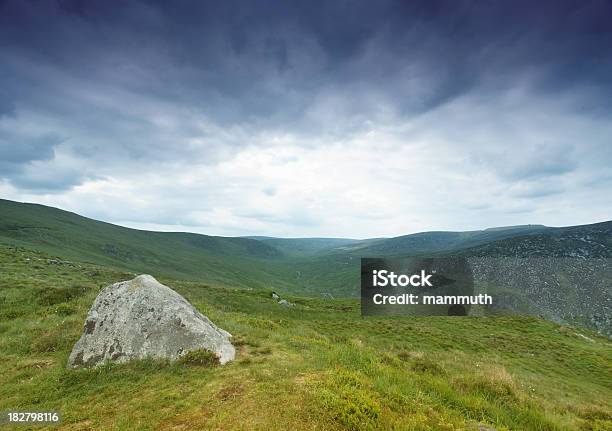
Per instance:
(143,318)
(285,303)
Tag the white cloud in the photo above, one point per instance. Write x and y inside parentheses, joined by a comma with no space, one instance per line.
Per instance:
(445,170)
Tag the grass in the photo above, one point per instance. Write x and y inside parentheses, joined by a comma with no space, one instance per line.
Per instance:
(220,261)
(318,365)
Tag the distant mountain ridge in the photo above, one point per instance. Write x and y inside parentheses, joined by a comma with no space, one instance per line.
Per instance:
(330,266)
(438,241)
(305,246)
(586,241)
(51,227)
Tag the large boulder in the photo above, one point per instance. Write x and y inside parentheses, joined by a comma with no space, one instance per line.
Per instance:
(142,318)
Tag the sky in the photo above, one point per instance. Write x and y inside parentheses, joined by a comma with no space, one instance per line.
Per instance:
(309,119)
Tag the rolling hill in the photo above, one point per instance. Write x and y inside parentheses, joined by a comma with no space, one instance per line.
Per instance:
(436,242)
(330,266)
(318,364)
(309,266)
(216,260)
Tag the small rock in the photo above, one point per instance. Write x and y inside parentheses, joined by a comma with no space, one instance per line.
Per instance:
(584,337)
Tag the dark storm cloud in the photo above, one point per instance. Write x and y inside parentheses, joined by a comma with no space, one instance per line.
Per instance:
(16,149)
(45,181)
(24,160)
(257,61)
(96,89)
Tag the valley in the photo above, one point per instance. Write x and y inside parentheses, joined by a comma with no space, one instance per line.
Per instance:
(561,274)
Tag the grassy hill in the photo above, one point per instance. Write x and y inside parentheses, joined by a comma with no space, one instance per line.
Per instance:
(235,261)
(436,242)
(306,266)
(329,267)
(318,365)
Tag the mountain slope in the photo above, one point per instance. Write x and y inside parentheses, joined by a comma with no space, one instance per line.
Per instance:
(317,365)
(67,235)
(561,274)
(330,266)
(435,242)
(308,266)
(586,241)
(302,247)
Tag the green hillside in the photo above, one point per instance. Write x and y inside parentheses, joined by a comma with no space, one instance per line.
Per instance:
(317,365)
(329,267)
(306,266)
(301,247)
(286,265)
(235,261)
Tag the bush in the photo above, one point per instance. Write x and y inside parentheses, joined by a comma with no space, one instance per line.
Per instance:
(425,365)
(493,383)
(356,410)
(350,401)
(52,296)
(51,341)
(199,357)
(421,364)
(64,309)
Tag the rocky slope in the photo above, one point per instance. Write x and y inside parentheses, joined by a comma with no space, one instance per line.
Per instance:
(563,274)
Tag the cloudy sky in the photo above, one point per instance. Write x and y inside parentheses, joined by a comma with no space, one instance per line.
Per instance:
(331,118)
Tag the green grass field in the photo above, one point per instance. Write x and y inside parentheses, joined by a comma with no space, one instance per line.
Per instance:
(318,365)
(236,262)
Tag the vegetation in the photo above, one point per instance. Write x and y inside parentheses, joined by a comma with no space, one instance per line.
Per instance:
(217,261)
(200,357)
(306,267)
(317,365)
